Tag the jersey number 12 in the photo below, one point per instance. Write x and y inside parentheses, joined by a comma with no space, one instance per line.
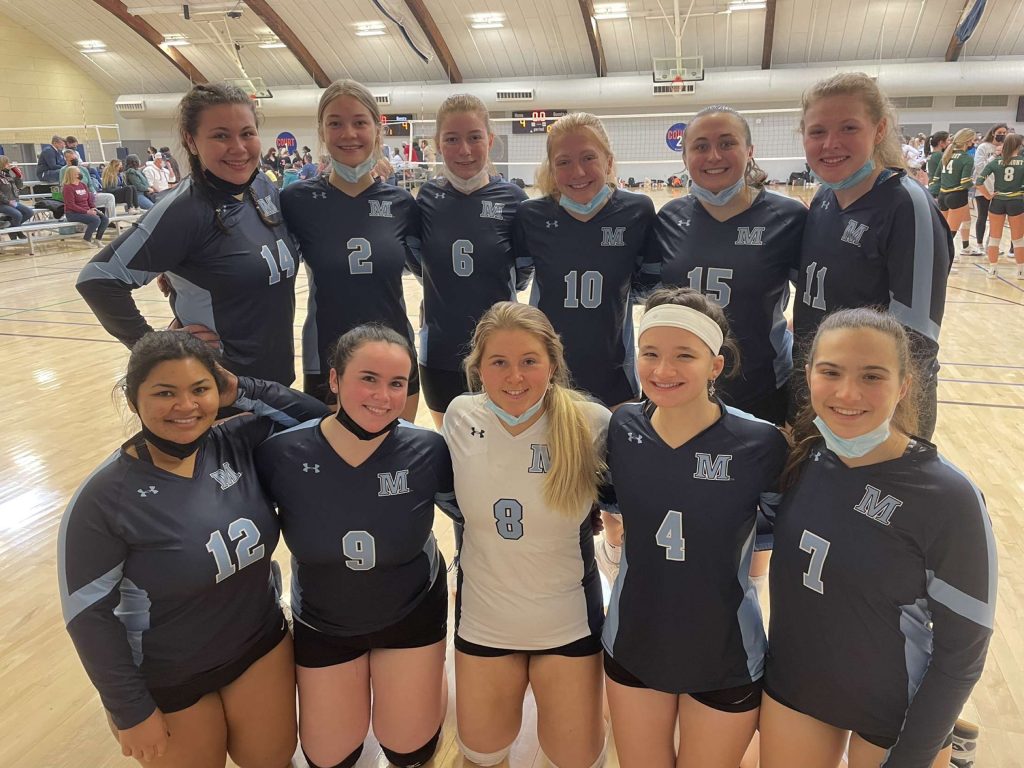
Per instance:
(247,551)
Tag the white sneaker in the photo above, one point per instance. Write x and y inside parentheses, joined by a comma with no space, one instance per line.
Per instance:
(94,243)
(1020,271)
(991,271)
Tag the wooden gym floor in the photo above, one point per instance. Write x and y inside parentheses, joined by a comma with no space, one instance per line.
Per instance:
(57,373)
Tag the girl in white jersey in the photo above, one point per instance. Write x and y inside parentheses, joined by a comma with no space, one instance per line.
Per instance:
(527,454)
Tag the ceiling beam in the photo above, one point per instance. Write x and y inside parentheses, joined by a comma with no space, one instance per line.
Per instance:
(955,46)
(426,22)
(144,29)
(594,36)
(769,35)
(284,33)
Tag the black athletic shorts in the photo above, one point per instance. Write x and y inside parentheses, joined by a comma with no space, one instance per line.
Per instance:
(883,742)
(319,385)
(585,646)
(742,698)
(426,624)
(440,387)
(950,201)
(1002,207)
(178,697)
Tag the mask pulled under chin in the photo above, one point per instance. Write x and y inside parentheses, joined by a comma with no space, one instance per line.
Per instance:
(852,180)
(179,451)
(717,198)
(853,447)
(226,186)
(363,434)
(508,418)
(470,185)
(585,209)
(353,173)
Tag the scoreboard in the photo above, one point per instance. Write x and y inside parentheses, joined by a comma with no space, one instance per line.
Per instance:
(396,125)
(537,121)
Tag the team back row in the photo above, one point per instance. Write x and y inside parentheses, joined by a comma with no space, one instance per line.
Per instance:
(521,465)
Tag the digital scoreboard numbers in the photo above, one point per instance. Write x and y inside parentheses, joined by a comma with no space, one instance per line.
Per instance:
(396,125)
(536,121)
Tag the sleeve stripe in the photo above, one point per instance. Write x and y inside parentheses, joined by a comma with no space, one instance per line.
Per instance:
(259,408)
(90,594)
(918,315)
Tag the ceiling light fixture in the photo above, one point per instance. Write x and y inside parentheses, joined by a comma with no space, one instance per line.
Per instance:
(176,40)
(487,20)
(610,11)
(272,44)
(747,5)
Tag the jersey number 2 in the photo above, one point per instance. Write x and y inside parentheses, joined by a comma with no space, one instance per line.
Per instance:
(359,258)
(817,548)
(670,536)
(247,551)
(284,256)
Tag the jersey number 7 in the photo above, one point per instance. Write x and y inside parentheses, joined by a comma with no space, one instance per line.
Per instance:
(817,548)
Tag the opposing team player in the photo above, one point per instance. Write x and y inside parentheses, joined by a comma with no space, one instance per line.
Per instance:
(586,240)
(356,496)
(872,237)
(356,235)
(165,572)
(883,581)
(527,454)
(466,249)
(1007,202)
(938,142)
(221,241)
(684,642)
(956,177)
(737,244)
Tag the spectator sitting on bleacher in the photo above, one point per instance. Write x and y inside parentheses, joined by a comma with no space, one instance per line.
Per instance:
(71,142)
(172,164)
(113,182)
(134,177)
(309,169)
(158,175)
(291,175)
(80,206)
(10,206)
(51,160)
(104,200)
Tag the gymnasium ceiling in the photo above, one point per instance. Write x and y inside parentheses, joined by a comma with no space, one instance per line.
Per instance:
(537,39)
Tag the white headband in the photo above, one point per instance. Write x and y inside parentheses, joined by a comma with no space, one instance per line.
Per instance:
(677,316)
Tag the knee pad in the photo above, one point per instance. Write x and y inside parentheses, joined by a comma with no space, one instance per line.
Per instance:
(481,758)
(415,758)
(601,758)
(348,762)
(1018,243)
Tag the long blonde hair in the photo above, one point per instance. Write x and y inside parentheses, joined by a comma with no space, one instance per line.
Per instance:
(563,126)
(576,463)
(109,178)
(961,141)
(889,151)
(359,92)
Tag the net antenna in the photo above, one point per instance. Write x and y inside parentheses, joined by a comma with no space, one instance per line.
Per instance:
(253,86)
(678,69)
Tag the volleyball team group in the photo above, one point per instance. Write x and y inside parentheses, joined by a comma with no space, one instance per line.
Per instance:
(679,455)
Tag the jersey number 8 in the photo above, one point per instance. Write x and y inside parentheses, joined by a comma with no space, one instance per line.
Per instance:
(244,531)
(508,519)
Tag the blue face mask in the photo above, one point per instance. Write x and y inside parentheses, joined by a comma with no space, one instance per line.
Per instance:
(853,447)
(585,209)
(353,173)
(508,418)
(717,198)
(852,180)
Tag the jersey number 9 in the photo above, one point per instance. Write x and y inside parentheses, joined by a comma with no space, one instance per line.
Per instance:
(360,549)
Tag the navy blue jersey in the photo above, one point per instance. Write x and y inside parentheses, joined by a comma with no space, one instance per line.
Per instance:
(744,265)
(467,264)
(890,248)
(229,271)
(683,615)
(363,554)
(355,249)
(883,587)
(164,578)
(583,276)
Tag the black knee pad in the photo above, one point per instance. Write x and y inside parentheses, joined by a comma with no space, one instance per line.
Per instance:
(416,758)
(348,762)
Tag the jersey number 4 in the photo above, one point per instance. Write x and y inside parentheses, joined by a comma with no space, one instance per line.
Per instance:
(670,536)
(284,256)
(817,548)
(247,551)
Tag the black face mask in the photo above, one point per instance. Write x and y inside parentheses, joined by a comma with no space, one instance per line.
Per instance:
(226,186)
(998,138)
(349,423)
(177,450)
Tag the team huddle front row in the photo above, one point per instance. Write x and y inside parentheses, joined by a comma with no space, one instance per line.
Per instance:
(883,585)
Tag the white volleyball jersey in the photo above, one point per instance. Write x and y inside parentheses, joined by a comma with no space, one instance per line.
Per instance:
(527,576)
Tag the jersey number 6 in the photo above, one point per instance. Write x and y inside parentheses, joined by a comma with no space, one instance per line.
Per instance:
(244,531)
(462,258)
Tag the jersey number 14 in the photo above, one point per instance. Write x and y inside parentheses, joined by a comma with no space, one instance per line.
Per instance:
(284,262)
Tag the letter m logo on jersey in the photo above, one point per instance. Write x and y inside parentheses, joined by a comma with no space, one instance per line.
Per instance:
(393,484)
(613,236)
(716,469)
(492,210)
(874,506)
(541,459)
(226,476)
(749,235)
(381,209)
(854,232)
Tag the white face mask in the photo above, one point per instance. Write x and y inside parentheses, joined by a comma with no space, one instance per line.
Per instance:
(353,173)
(853,447)
(470,185)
